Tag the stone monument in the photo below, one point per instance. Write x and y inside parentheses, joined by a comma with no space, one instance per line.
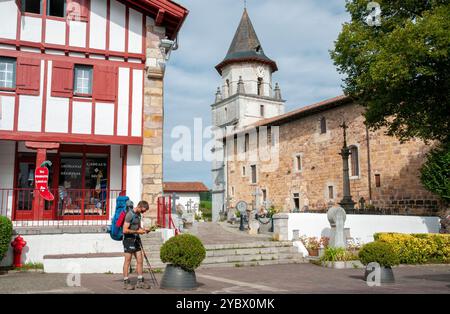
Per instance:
(336,216)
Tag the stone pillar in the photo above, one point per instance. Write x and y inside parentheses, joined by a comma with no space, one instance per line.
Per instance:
(152,150)
(280,227)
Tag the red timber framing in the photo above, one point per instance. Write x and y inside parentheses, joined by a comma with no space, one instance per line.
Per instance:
(166,13)
(106,77)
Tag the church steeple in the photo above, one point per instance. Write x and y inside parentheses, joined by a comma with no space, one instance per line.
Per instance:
(246,46)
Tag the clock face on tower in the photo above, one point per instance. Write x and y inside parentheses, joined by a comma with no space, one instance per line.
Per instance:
(260,71)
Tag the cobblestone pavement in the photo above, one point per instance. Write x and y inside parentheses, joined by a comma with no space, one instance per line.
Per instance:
(296,278)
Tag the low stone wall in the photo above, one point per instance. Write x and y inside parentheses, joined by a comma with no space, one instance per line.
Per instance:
(361,226)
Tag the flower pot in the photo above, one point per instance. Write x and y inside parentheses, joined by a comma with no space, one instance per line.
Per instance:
(313,252)
(386,274)
(179,279)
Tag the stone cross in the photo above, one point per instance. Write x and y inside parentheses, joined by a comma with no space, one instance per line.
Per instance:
(337,216)
(189,205)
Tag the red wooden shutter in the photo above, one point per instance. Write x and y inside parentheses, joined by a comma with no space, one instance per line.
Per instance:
(78,9)
(105,83)
(28,76)
(62,79)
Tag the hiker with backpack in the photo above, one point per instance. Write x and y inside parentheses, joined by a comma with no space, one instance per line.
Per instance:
(126,227)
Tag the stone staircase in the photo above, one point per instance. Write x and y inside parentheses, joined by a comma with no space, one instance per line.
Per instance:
(250,253)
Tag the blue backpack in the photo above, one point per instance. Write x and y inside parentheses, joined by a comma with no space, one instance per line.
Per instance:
(123,204)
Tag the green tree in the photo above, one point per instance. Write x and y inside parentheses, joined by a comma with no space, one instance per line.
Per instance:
(435,173)
(400,69)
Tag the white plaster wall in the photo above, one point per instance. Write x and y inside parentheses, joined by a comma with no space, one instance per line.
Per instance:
(134,182)
(123,101)
(136,125)
(66,243)
(104,118)
(57,111)
(55,32)
(116,177)
(77,34)
(97,30)
(362,226)
(30,109)
(7,113)
(84,265)
(81,117)
(8,16)
(117,26)
(7,156)
(135,32)
(31,28)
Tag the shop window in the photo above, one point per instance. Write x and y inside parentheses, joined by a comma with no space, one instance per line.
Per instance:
(56,8)
(83,80)
(7,73)
(32,6)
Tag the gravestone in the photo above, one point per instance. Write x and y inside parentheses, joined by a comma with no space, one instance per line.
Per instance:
(337,216)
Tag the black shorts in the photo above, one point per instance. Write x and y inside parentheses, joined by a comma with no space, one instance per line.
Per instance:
(131,244)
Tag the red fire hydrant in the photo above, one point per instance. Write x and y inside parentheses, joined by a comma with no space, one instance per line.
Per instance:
(18,244)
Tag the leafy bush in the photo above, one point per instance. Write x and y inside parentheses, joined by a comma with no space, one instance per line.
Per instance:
(378,252)
(435,172)
(185,251)
(6,230)
(332,254)
(418,248)
(206,209)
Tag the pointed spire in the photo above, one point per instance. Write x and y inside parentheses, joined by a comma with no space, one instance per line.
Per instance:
(277,95)
(218,95)
(241,89)
(246,46)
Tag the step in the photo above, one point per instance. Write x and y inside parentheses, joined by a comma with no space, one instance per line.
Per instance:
(259,244)
(257,263)
(92,263)
(250,251)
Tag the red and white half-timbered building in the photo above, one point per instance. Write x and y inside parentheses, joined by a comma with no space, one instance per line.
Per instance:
(79,80)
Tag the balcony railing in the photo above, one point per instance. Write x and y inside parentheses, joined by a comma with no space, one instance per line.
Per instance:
(70,206)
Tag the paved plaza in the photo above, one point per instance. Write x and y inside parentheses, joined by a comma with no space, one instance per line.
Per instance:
(296,278)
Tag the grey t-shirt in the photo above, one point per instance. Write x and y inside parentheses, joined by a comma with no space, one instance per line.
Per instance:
(136,223)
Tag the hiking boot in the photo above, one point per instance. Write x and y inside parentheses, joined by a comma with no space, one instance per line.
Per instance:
(127,285)
(142,285)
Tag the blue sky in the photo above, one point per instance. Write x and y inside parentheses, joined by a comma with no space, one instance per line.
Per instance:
(297,34)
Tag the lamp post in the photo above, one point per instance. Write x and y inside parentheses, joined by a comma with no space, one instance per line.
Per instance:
(347,202)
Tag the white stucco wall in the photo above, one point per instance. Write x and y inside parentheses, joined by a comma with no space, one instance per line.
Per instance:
(134,182)
(67,243)
(7,156)
(361,226)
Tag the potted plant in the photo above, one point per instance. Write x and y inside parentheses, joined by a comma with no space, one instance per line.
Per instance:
(383,254)
(184,253)
(312,244)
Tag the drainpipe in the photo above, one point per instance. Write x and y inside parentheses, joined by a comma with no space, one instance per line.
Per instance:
(369,167)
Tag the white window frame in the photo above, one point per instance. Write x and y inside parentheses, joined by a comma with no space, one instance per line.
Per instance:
(83,90)
(10,68)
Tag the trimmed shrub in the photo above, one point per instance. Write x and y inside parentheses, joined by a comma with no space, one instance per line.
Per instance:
(185,251)
(6,230)
(418,248)
(378,252)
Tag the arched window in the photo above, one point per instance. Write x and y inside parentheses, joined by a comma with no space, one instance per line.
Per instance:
(228,87)
(323,125)
(354,159)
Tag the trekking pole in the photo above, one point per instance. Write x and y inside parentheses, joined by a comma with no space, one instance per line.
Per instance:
(152,274)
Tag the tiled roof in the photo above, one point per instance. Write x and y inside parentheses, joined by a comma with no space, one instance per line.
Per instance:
(184,187)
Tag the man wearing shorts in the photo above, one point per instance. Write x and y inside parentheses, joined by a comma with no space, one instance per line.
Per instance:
(132,245)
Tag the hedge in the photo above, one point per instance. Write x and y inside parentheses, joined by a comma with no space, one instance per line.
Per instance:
(185,251)
(418,248)
(6,230)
